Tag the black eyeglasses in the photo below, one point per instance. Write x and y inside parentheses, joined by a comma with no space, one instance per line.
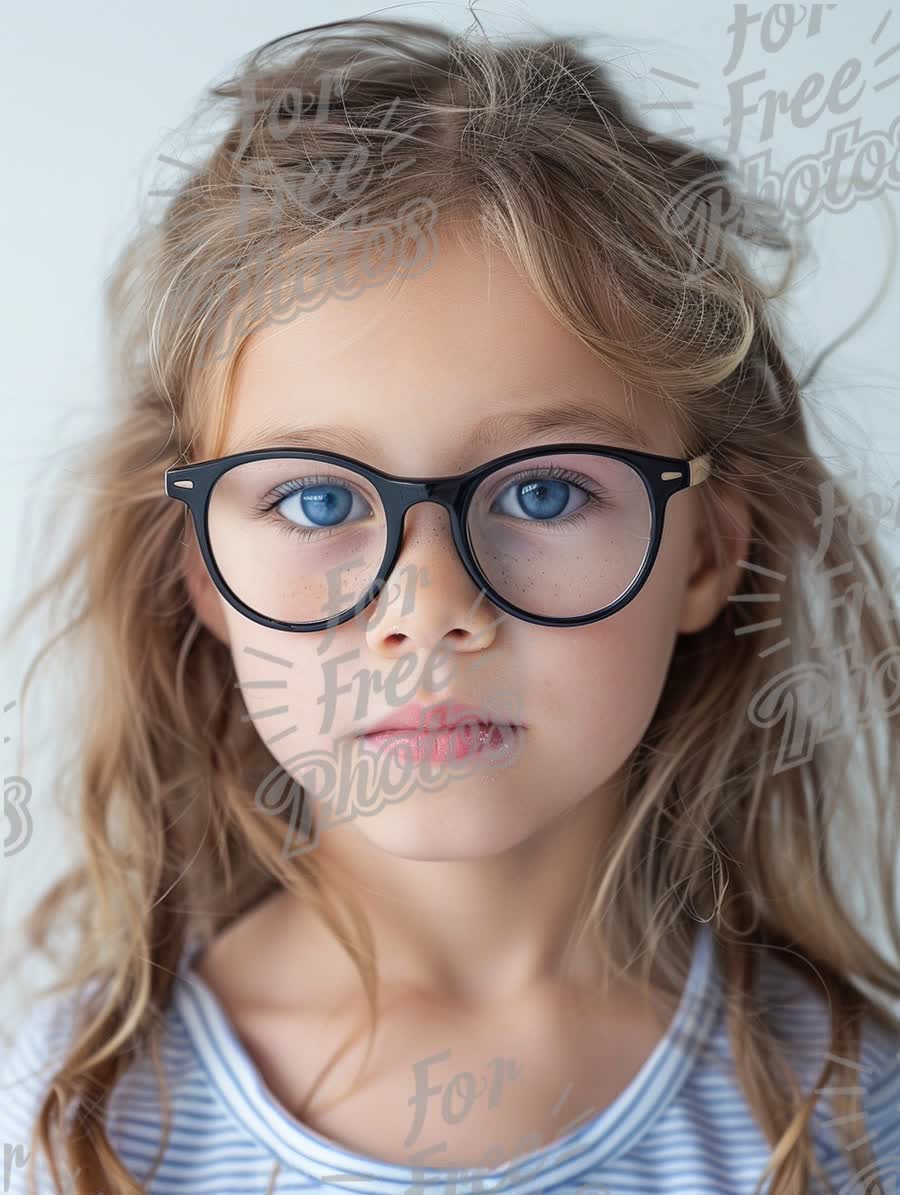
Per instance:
(561,535)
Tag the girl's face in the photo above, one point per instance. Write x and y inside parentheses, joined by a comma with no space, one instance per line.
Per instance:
(408,372)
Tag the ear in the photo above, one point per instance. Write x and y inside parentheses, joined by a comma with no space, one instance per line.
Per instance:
(206,599)
(721,539)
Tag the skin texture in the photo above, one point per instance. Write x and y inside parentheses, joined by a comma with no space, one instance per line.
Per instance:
(471,891)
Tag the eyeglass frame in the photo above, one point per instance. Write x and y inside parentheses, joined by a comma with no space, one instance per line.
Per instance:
(662,476)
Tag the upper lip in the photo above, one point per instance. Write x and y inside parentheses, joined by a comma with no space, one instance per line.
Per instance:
(442,716)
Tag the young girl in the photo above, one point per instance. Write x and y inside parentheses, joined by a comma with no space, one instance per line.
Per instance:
(472,677)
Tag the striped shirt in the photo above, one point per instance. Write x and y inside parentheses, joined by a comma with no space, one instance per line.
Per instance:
(680,1127)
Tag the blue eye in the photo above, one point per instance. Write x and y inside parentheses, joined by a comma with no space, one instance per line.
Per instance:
(541,498)
(323,504)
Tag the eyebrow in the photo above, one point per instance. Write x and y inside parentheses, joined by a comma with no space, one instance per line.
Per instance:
(574,419)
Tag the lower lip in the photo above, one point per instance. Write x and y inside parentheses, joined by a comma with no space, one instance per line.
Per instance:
(441,745)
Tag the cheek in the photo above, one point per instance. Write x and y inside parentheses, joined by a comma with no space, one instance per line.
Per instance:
(281,679)
(606,679)
(606,683)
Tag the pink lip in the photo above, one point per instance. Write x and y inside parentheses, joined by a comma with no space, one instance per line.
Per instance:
(456,742)
(433,719)
(449,729)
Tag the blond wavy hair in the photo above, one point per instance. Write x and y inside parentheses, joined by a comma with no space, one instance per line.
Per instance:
(639,243)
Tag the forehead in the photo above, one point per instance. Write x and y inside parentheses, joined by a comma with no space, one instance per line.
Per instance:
(433,373)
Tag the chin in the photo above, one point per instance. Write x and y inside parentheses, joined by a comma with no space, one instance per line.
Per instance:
(445,827)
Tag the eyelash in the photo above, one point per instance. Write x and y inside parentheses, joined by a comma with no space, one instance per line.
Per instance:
(292,487)
(554,472)
(596,497)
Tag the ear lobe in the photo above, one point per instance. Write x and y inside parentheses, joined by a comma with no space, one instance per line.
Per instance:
(204,596)
(722,538)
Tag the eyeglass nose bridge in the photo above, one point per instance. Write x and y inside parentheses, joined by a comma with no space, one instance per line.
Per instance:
(443,490)
(402,495)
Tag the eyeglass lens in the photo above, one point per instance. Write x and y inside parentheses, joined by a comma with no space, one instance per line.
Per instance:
(559,535)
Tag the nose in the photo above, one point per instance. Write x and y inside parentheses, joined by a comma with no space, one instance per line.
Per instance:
(430,599)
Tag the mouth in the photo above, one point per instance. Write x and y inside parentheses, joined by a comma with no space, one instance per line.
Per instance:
(440,738)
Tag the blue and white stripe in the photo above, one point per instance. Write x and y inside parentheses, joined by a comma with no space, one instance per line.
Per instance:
(681,1127)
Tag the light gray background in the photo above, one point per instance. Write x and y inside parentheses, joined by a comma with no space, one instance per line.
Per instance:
(96,92)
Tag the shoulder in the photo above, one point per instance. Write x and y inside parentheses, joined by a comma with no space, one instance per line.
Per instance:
(30,1061)
(28,1064)
(879,1078)
(38,1037)
(797,1008)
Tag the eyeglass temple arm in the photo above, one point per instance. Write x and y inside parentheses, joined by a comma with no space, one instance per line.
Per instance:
(700,467)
